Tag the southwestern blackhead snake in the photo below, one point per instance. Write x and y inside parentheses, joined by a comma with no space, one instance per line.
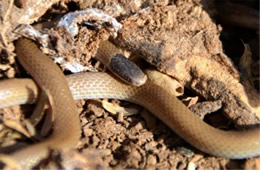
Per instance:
(66,130)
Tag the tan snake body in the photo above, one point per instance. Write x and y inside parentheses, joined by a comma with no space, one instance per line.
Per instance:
(230,144)
(66,131)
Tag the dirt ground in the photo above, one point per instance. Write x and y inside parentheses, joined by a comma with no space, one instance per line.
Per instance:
(179,38)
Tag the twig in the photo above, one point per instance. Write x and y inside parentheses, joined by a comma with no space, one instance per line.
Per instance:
(4,21)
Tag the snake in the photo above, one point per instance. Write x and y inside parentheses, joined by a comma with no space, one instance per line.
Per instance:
(62,91)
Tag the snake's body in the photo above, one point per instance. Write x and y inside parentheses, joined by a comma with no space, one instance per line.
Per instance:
(51,80)
(230,144)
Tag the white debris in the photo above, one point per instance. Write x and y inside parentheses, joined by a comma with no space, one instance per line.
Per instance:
(58,59)
(191,166)
(29,31)
(74,67)
(70,20)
